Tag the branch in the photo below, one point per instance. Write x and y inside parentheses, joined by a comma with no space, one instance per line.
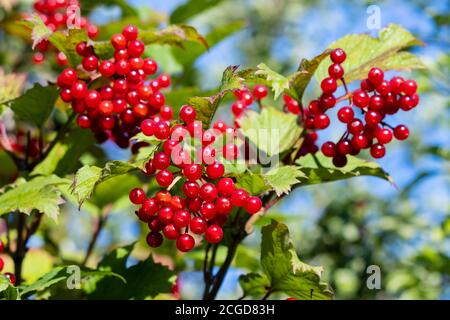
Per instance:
(101,221)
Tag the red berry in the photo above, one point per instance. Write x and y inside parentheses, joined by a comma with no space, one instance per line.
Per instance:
(136,48)
(156,100)
(220,126)
(161,161)
(409,87)
(321,121)
(137,196)
(198,225)
(166,112)
(118,41)
(260,91)
(130,32)
(90,63)
(164,80)
(187,113)
(245,97)
(147,127)
(208,192)
(92,31)
(328,85)
(171,232)
(154,239)
(377,151)
(191,189)
(181,218)
(106,108)
(84,121)
(161,130)
(164,178)
(150,206)
(11,277)
(253,205)
(38,58)
(344,147)
(230,151)
(185,242)
(359,141)
(2,264)
(165,215)
(208,210)
(68,76)
(225,186)
(214,234)
(340,161)
(215,170)
(384,135)
(355,127)
(150,66)
(346,114)
(238,108)
(155,225)
(223,205)
(396,84)
(107,123)
(2,246)
(239,197)
(401,132)
(336,71)
(122,67)
(66,95)
(329,149)
(79,89)
(192,172)
(360,98)
(375,76)
(372,118)
(338,55)
(376,103)
(93,99)
(83,49)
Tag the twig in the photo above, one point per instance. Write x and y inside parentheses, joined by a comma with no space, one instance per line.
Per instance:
(101,221)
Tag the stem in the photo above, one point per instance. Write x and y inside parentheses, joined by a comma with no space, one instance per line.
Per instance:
(19,254)
(268,293)
(101,221)
(347,94)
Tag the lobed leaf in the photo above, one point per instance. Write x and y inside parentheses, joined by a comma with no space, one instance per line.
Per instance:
(282,178)
(276,81)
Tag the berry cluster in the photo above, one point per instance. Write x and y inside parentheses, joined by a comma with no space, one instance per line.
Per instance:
(10,276)
(376,99)
(116,109)
(57,14)
(208,197)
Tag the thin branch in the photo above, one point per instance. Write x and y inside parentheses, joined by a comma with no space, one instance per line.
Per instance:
(268,293)
(101,221)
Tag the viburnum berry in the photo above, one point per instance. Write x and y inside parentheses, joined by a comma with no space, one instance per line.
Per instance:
(223,205)
(375,76)
(336,71)
(198,225)
(239,197)
(164,178)
(154,239)
(214,234)
(260,91)
(384,135)
(171,232)
(360,98)
(137,196)
(401,132)
(377,150)
(192,172)
(253,205)
(191,189)
(2,264)
(329,149)
(328,85)
(346,114)
(208,192)
(215,170)
(225,186)
(185,242)
(338,55)
(181,218)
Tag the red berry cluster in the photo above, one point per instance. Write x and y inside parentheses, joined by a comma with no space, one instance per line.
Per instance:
(56,14)
(10,276)
(208,197)
(116,109)
(245,98)
(376,99)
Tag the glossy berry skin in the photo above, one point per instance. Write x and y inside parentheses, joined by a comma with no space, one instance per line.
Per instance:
(136,48)
(239,197)
(225,186)
(164,178)
(230,151)
(339,161)
(2,264)
(401,132)
(321,121)
(147,127)
(84,121)
(253,205)
(346,114)
(329,149)
(150,66)
(185,242)
(384,135)
(92,99)
(181,218)
(192,172)
(375,76)
(215,170)
(336,71)
(187,113)
(377,151)
(161,130)
(238,108)
(338,55)
(171,232)
(90,63)
(191,189)
(79,89)
(359,142)
(130,32)
(154,239)
(119,41)
(214,234)
(2,246)
(360,98)
(198,225)
(328,85)
(409,87)
(208,192)
(372,118)
(355,127)
(260,91)
(137,196)
(68,76)
(344,147)
(223,205)
(11,277)
(208,210)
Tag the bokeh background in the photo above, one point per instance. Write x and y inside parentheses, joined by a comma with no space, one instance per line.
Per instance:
(343,226)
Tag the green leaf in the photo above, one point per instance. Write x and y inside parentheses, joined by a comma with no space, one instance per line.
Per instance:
(285,271)
(320,169)
(254,183)
(386,52)
(35,105)
(281,179)
(40,193)
(174,35)
(39,30)
(191,8)
(193,50)
(62,273)
(275,80)
(8,291)
(206,107)
(65,156)
(272,131)
(254,284)
(88,177)
(300,80)
(126,9)
(67,42)
(144,280)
